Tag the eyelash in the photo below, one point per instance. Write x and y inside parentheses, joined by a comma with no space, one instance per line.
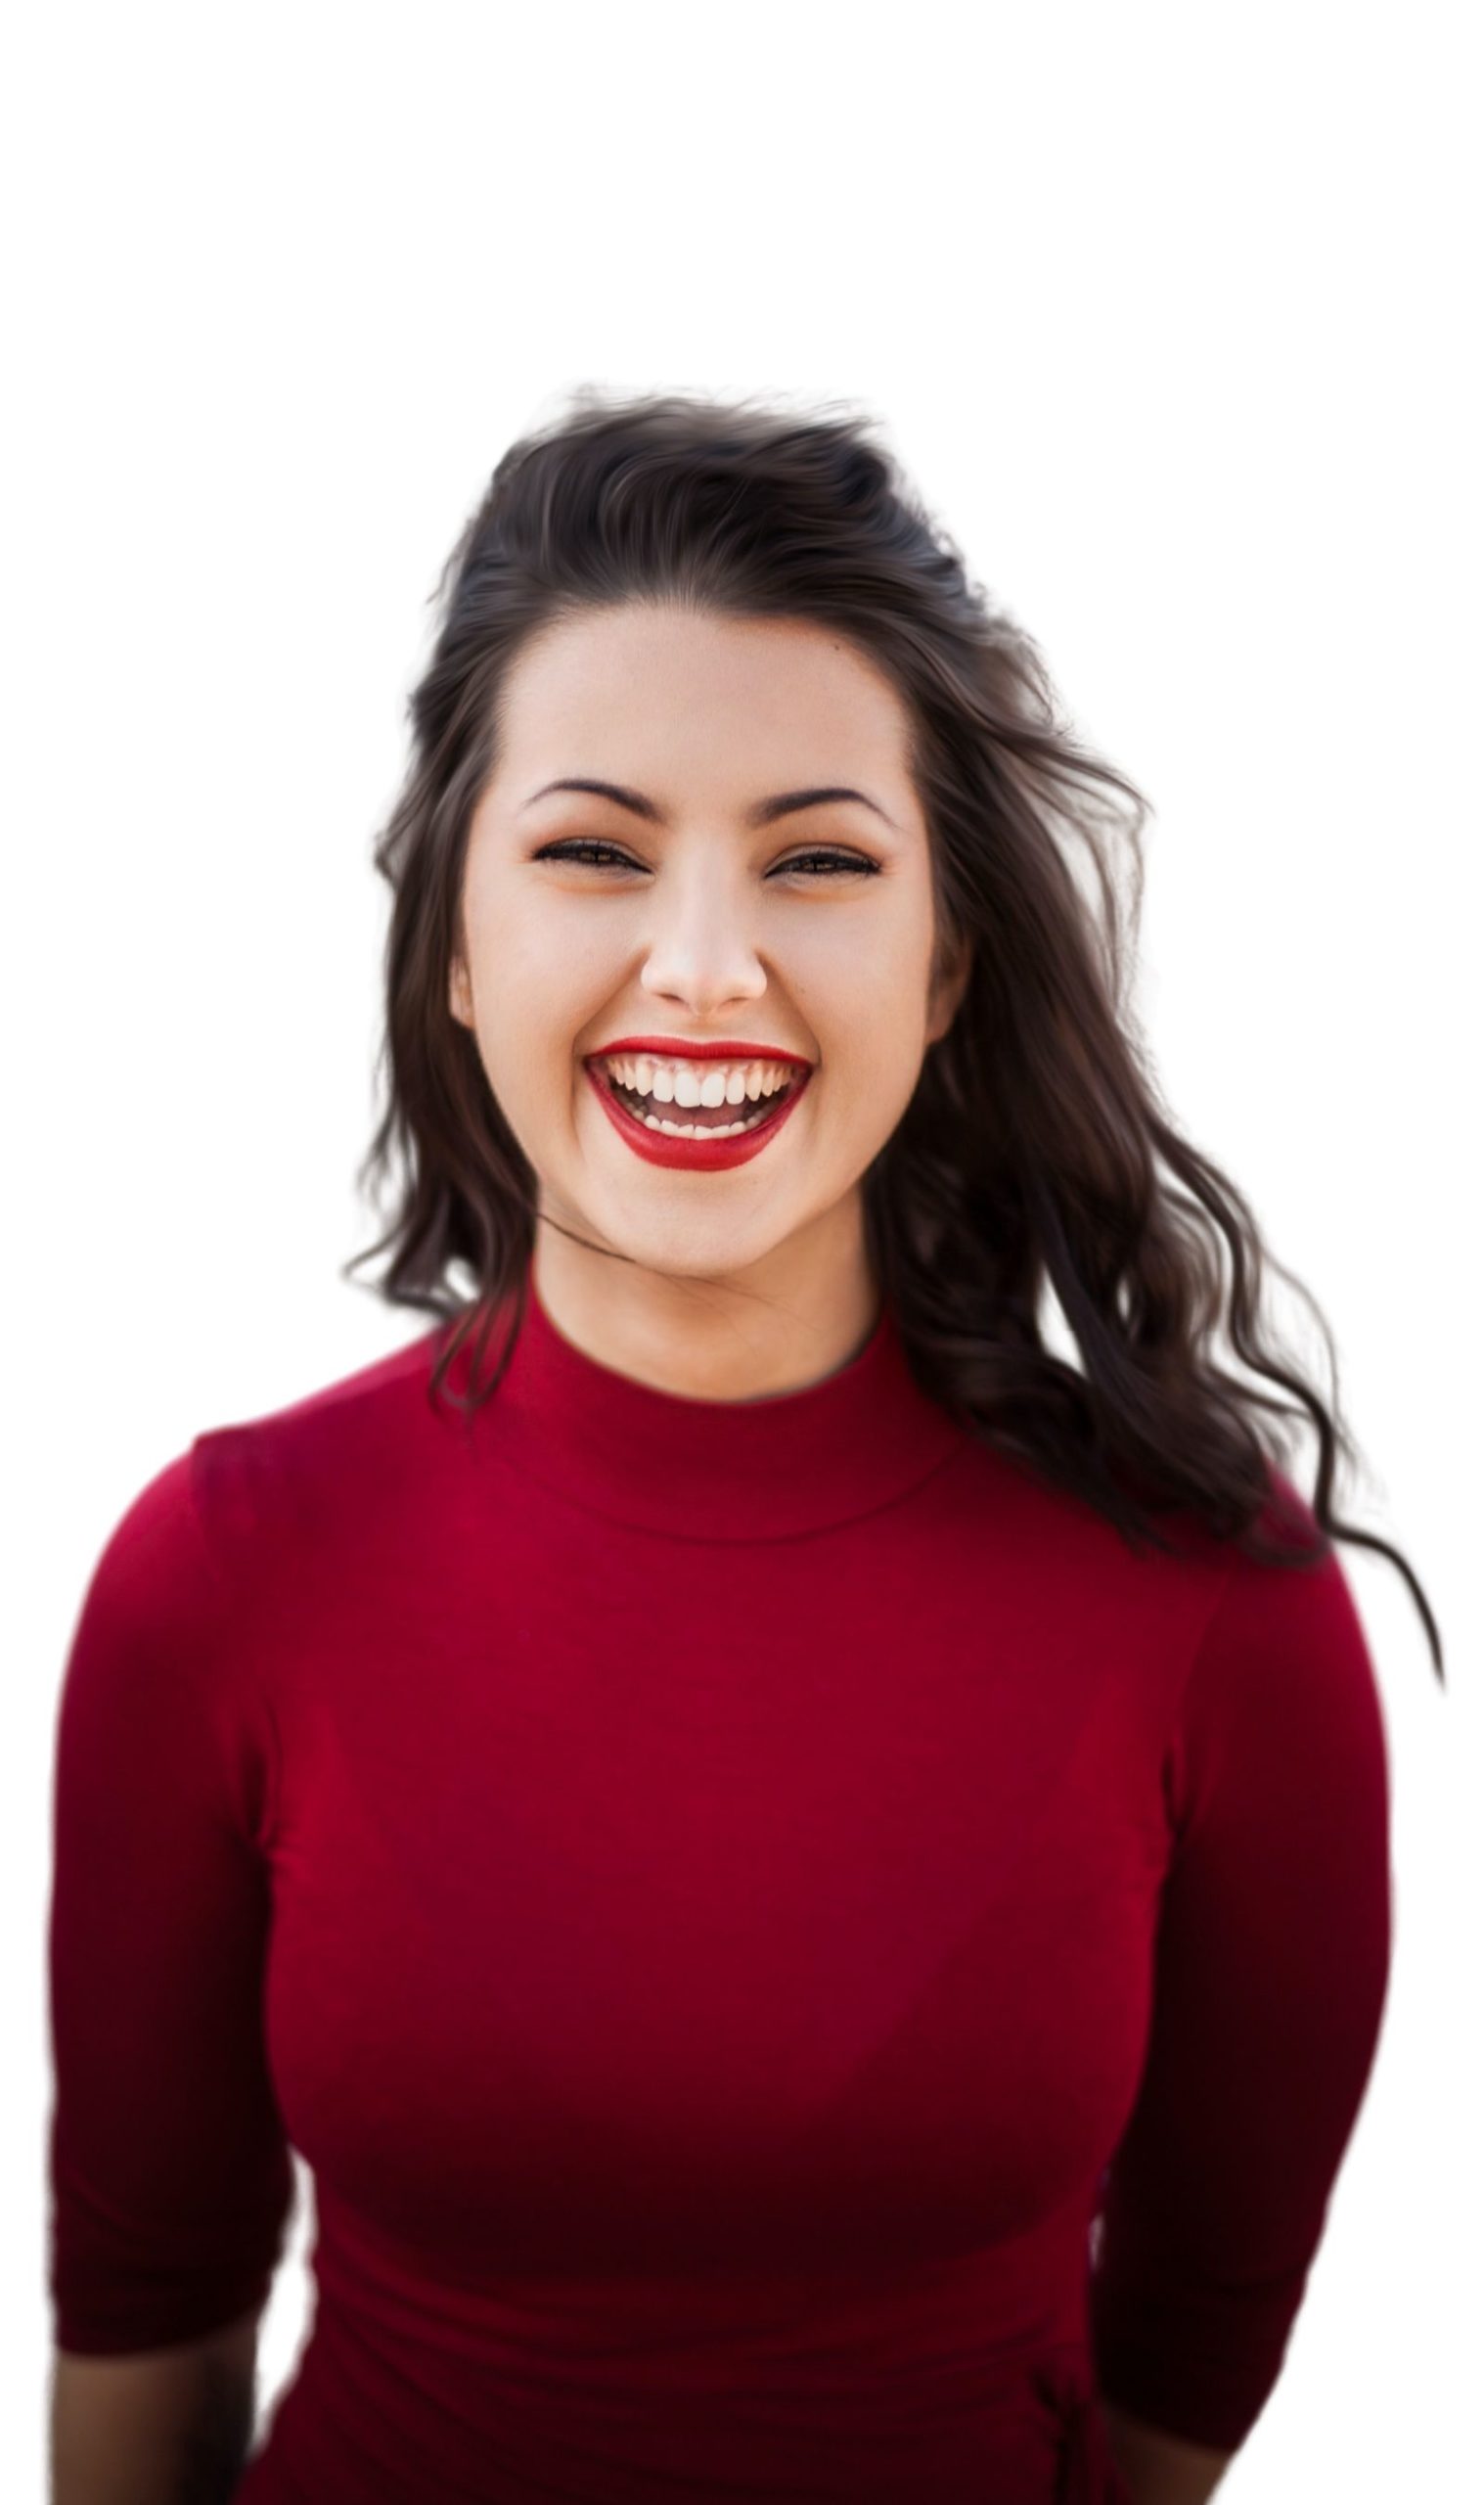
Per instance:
(842,863)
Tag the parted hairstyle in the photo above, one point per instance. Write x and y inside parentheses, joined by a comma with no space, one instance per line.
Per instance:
(1037,1159)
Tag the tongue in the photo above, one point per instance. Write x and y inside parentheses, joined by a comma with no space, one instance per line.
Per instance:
(706,1118)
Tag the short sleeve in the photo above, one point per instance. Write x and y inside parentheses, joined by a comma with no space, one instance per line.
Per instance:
(1272,1963)
(171,2177)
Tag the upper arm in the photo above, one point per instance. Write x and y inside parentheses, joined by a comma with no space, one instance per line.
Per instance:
(1272,1963)
(170,2176)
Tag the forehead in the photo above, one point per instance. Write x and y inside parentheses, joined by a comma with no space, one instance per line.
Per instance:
(602,692)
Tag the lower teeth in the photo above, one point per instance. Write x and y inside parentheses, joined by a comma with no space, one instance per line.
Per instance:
(698,1130)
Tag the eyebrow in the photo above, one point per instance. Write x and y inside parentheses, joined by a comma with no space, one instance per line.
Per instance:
(782,804)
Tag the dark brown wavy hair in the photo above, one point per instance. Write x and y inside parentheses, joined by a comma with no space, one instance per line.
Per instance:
(1028,1161)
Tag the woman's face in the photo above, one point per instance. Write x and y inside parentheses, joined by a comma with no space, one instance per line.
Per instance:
(697,922)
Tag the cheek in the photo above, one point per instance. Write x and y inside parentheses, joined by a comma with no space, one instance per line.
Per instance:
(879,1076)
(538,992)
(562,977)
(533,1039)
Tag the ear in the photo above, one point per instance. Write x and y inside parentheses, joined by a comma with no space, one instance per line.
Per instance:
(949,989)
(460,1000)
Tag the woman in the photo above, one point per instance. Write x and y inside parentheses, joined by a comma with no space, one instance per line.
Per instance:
(808,1876)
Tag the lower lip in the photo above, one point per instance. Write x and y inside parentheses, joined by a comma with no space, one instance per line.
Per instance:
(707,1156)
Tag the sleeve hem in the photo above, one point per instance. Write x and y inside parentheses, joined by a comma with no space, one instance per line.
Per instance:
(1222,2431)
(78,2335)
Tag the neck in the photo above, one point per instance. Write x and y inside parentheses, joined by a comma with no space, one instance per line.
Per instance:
(776,1326)
(757,1466)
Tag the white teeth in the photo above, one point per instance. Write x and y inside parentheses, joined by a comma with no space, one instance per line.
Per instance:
(691,1084)
(701,1131)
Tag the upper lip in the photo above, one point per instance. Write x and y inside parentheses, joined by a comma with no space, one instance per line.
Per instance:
(675,1047)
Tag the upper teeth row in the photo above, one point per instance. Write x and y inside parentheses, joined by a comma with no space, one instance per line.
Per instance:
(699,1082)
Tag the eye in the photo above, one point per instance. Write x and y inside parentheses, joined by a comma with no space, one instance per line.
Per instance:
(582,843)
(593,854)
(838,864)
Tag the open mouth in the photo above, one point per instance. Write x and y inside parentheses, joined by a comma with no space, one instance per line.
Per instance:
(700,1121)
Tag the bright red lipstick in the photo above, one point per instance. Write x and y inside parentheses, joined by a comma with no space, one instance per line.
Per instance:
(675,1048)
(706,1156)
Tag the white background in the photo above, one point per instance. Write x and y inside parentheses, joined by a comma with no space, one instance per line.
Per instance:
(1173,317)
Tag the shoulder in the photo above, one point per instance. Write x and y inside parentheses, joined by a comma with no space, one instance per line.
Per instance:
(347,1405)
(152,1688)
(172,1558)
(1280,1625)
(154,1563)
(1282,1695)
(173,1606)
(330,1447)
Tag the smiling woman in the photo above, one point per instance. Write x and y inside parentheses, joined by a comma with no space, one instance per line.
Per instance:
(713,929)
(706,589)
(810,1880)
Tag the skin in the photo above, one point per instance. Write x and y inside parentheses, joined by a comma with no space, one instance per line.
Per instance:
(162,2427)
(1160,2469)
(756,1281)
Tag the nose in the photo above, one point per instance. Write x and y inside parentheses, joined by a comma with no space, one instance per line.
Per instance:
(702,952)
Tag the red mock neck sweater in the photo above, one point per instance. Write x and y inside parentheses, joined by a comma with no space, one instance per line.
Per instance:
(793,1957)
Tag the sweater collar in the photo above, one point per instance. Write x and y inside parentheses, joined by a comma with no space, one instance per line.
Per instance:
(713,1470)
